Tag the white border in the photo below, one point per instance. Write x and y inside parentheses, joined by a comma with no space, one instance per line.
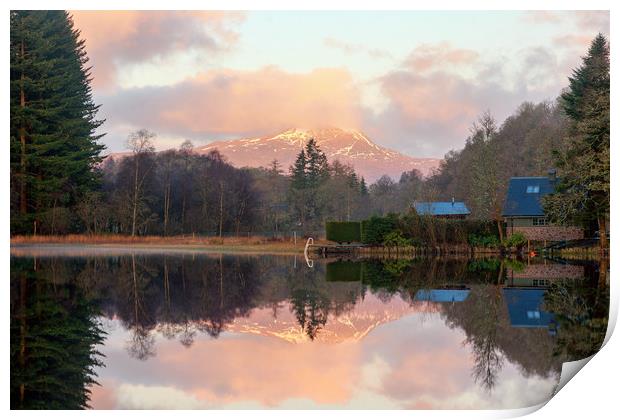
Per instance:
(593,394)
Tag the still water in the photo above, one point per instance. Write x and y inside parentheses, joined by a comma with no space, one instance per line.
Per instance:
(130,330)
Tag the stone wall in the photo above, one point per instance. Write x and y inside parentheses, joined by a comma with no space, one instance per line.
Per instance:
(547,233)
(547,271)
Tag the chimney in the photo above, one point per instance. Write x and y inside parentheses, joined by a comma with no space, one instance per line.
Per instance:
(551,173)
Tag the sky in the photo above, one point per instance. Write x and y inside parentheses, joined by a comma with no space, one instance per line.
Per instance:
(413,81)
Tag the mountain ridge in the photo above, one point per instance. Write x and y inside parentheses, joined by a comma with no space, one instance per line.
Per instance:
(349,146)
(346,145)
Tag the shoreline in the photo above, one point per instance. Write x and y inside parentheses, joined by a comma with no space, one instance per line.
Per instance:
(154,244)
(71,249)
(106,244)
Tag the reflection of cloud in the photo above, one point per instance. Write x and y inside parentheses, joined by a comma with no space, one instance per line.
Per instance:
(137,397)
(415,362)
(235,368)
(115,38)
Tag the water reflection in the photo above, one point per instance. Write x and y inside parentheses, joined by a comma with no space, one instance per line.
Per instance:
(263,331)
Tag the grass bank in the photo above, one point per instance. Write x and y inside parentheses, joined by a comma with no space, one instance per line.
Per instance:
(248,244)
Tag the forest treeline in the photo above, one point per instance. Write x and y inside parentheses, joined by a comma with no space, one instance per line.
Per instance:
(61,183)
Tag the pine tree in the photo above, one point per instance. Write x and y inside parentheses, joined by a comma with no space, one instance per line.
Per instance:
(308,174)
(316,164)
(583,192)
(54,148)
(298,171)
(298,186)
(363,187)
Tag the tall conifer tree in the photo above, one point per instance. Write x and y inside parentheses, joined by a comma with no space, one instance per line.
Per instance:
(583,193)
(54,148)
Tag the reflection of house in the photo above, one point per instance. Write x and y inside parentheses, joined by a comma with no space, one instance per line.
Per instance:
(541,275)
(442,209)
(442,295)
(525,308)
(523,211)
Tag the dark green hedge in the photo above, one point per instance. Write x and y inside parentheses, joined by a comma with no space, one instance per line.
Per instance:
(343,231)
(415,230)
(343,271)
(376,228)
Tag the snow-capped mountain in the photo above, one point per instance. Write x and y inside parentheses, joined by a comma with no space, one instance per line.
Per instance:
(348,146)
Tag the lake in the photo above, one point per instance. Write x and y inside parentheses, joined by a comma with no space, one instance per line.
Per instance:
(129,329)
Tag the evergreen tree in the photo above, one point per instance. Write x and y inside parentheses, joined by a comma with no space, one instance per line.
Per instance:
(316,165)
(298,172)
(308,174)
(363,187)
(54,148)
(583,192)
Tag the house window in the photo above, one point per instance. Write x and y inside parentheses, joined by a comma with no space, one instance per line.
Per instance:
(540,221)
(533,314)
(533,189)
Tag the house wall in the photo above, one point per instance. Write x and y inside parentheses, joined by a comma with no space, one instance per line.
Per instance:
(546,233)
(520,221)
(452,216)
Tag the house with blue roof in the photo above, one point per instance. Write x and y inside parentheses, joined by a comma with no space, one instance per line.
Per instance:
(523,211)
(442,209)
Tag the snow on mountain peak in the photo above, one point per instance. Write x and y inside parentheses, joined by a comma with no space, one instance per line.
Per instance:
(349,146)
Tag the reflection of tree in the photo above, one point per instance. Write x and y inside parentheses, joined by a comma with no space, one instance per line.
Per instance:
(311,310)
(581,311)
(312,298)
(142,343)
(54,334)
(488,359)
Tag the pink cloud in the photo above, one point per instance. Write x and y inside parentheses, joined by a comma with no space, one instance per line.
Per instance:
(114,38)
(229,102)
(542,16)
(575,41)
(439,56)
(350,48)
(585,20)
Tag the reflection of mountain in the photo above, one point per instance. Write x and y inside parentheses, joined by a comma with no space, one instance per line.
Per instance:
(353,325)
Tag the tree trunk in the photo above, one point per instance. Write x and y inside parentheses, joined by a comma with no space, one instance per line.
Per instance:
(135,199)
(166,206)
(500,230)
(602,233)
(23,199)
(221,206)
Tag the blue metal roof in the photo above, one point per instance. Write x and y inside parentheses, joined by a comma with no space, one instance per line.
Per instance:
(441,208)
(524,308)
(523,196)
(442,295)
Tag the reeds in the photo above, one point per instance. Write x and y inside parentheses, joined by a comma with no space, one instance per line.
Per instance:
(111,239)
